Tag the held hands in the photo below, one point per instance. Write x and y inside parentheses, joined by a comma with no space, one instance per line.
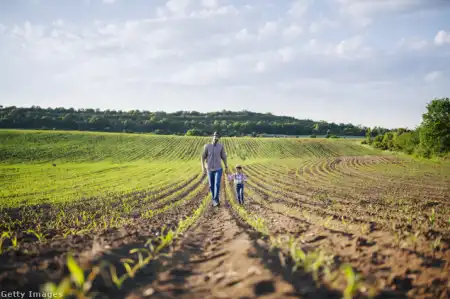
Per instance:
(226,170)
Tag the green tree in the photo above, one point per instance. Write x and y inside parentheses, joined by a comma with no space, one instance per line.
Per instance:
(435,127)
(194,132)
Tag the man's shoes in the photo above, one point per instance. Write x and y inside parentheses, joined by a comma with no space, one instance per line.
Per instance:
(215,204)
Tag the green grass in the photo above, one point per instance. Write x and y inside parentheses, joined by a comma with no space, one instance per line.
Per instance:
(93,164)
(55,146)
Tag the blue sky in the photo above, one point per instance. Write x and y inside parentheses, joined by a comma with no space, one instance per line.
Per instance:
(368,62)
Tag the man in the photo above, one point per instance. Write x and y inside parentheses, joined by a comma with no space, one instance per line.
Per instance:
(214,154)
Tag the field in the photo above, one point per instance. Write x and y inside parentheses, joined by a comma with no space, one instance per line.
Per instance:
(130,216)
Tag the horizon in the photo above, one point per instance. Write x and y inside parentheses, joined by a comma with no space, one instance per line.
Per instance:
(337,60)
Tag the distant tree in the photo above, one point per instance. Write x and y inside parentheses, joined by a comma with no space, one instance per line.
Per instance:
(194,132)
(228,122)
(435,127)
(368,136)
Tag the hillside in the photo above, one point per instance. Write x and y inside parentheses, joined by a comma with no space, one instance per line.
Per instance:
(178,123)
(24,146)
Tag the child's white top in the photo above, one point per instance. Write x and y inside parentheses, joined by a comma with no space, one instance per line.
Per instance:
(239,178)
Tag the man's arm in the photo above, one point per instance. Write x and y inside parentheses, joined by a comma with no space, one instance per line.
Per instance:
(204,155)
(223,155)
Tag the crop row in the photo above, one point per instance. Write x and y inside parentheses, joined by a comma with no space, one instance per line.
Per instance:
(344,233)
(59,147)
(48,222)
(80,281)
(319,263)
(383,191)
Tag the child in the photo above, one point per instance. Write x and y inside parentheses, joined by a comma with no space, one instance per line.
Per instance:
(239,178)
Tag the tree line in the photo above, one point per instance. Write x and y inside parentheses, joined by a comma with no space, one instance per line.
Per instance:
(430,139)
(228,123)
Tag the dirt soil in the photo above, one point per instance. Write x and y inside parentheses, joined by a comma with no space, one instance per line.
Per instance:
(36,263)
(222,258)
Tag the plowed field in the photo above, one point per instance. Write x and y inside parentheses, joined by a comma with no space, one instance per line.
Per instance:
(93,215)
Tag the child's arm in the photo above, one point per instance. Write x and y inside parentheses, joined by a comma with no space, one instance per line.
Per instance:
(230,177)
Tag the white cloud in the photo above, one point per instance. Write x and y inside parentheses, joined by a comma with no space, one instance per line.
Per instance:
(442,37)
(317,26)
(364,11)
(210,3)
(28,31)
(109,1)
(351,48)
(205,72)
(215,11)
(286,54)
(178,7)
(243,35)
(349,45)
(299,8)
(58,23)
(261,66)
(292,31)
(110,29)
(433,76)
(413,43)
(269,29)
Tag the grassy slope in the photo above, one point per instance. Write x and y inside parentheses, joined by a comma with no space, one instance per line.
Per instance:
(45,146)
(90,164)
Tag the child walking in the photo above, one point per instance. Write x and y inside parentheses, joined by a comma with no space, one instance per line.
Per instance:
(239,178)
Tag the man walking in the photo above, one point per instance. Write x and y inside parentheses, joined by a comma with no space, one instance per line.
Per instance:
(214,154)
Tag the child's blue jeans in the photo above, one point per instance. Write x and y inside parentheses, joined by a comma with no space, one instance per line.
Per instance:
(240,193)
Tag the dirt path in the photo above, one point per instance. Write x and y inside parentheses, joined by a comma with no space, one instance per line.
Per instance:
(217,259)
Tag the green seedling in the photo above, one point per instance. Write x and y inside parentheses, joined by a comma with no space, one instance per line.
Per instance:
(432,217)
(39,235)
(413,238)
(436,243)
(76,273)
(14,242)
(365,228)
(62,289)
(3,237)
(354,281)
(328,221)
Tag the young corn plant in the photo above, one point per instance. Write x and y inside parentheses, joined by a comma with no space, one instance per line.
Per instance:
(311,261)
(413,238)
(39,235)
(76,285)
(432,217)
(3,237)
(8,235)
(354,281)
(435,245)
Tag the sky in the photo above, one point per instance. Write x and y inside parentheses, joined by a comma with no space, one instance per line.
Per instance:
(366,62)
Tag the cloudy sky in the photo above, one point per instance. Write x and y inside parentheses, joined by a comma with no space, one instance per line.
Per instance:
(369,62)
